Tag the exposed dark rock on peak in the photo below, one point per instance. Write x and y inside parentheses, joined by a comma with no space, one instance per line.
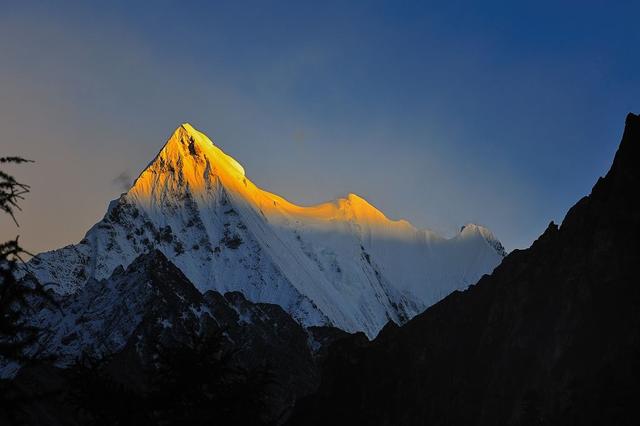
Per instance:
(165,276)
(551,337)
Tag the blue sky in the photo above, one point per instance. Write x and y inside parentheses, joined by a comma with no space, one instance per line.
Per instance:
(498,113)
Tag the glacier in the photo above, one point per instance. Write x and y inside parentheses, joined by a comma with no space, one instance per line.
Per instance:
(341,263)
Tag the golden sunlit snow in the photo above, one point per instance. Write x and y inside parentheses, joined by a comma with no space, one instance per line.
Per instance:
(192,159)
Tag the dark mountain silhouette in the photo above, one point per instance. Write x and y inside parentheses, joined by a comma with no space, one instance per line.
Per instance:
(551,337)
(146,347)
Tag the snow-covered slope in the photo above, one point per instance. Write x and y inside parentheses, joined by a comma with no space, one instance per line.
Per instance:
(341,263)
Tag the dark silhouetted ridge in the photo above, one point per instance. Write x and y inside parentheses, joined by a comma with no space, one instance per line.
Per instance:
(551,337)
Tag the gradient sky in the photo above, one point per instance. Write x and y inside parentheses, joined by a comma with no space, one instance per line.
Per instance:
(442,113)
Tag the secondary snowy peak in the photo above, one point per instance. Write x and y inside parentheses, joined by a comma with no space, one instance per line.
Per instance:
(358,209)
(472,230)
(342,262)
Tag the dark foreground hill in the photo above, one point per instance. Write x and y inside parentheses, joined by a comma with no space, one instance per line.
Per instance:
(145,347)
(551,337)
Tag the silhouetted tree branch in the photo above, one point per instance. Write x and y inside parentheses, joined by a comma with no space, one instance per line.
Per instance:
(15,333)
(11,191)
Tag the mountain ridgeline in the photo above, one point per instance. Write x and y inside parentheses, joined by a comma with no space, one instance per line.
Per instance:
(342,263)
(551,337)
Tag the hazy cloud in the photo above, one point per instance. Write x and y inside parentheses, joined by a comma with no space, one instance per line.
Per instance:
(123,181)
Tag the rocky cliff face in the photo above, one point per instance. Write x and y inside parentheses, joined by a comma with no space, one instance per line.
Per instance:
(551,337)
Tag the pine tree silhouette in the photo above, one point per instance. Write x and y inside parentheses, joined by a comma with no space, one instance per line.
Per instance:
(199,383)
(15,334)
(100,400)
(195,382)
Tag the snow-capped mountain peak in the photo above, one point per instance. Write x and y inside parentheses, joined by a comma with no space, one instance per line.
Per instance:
(342,262)
(471,230)
(189,158)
